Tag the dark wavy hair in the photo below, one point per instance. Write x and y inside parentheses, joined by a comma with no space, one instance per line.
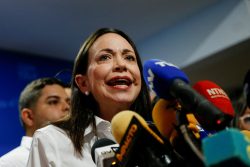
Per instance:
(84,108)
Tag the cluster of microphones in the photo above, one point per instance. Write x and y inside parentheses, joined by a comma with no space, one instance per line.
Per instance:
(190,127)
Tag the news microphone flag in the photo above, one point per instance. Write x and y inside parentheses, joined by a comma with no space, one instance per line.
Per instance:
(216,95)
(227,148)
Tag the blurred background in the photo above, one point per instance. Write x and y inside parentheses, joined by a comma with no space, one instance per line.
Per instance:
(208,39)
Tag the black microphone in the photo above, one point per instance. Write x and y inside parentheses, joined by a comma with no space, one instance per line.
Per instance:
(103,152)
(169,82)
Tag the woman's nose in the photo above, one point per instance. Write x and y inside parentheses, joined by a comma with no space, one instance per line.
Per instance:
(120,64)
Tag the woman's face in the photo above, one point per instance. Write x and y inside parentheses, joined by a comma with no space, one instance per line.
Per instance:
(244,120)
(113,75)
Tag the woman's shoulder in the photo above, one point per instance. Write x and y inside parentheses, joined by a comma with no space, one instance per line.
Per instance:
(50,130)
(52,139)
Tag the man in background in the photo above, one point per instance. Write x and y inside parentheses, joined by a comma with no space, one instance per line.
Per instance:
(42,101)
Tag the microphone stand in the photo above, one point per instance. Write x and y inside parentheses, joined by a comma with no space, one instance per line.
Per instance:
(190,141)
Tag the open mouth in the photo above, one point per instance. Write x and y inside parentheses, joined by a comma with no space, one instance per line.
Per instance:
(119,81)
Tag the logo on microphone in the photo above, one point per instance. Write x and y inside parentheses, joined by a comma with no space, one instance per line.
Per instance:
(217,92)
(163,64)
(131,132)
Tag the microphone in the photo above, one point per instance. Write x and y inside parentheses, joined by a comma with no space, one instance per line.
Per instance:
(159,76)
(139,145)
(226,148)
(216,95)
(103,152)
(164,117)
(169,82)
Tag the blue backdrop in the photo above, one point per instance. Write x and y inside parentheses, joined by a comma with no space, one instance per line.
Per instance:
(16,70)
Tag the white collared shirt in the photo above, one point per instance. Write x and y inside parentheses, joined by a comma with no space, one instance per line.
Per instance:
(17,157)
(51,146)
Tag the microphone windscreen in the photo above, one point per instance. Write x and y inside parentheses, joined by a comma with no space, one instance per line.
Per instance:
(216,95)
(229,147)
(159,76)
(164,117)
(139,145)
(120,123)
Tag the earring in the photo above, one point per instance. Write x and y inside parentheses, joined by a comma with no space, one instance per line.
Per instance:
(86,93)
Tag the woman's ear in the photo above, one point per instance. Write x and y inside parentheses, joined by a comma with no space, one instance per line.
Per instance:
(27,117)
(82,83)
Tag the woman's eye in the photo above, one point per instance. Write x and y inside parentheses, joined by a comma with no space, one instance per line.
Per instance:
(104,57)
(130,57)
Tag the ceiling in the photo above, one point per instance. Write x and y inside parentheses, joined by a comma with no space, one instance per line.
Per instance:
(56,28)
(227,67)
